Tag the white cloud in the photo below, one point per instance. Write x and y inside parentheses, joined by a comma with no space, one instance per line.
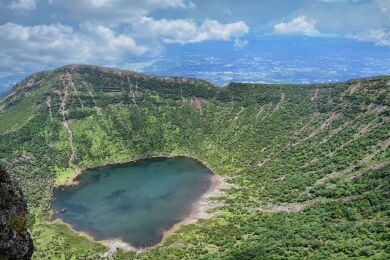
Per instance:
(26,47)
(345,1)
(22,5)
(117,11)
(380,37)
(107,44)
(148,4)
(187,31)
(385,7)
(332,1)
(43,46)
(299,25)
(138,66)
(97,3)
(240,43)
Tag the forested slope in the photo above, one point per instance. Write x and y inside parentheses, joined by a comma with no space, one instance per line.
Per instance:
(310,163)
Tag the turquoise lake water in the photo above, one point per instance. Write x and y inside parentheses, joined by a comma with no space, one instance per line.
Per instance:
(136,202)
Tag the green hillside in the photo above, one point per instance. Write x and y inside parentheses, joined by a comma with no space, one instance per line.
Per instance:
(310,163)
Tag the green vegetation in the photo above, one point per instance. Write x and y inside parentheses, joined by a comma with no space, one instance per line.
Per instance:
(63,176)
(310,162)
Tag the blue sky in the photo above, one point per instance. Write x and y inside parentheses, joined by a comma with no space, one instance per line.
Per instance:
(143,34)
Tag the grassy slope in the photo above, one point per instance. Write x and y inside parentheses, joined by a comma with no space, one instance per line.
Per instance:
(292,150)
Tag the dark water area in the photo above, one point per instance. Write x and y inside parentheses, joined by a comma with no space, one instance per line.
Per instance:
(135,202)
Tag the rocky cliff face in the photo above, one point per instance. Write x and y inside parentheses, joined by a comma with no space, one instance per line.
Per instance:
(15,241)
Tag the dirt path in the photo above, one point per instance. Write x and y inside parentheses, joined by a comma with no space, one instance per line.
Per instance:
(324,125)
(344,126)
(75,90)
(315,95)
(282,98)
(66,79)
(133,94)
(297,206)
(365,129)
(375,166)
(92,96)
(302,129)
(265,112)
(261,163)
(239,113)
(260,111)
(70,138)
(353,88)
(198,103)
(48,103)
(366,159)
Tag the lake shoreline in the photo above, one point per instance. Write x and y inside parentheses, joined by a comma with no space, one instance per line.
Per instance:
(198,210)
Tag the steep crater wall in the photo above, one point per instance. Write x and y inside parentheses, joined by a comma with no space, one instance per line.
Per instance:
(15,241)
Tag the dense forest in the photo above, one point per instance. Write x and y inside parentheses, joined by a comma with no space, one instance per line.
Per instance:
(310,164)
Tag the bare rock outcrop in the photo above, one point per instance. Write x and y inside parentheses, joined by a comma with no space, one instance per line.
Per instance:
(15,241)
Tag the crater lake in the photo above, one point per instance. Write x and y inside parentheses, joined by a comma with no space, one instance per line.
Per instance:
(134,202)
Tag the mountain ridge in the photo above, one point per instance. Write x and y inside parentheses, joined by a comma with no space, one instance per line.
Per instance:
(26,82)
(35,79)
(308,161)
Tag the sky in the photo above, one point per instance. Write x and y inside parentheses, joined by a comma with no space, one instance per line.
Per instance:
(159,36)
